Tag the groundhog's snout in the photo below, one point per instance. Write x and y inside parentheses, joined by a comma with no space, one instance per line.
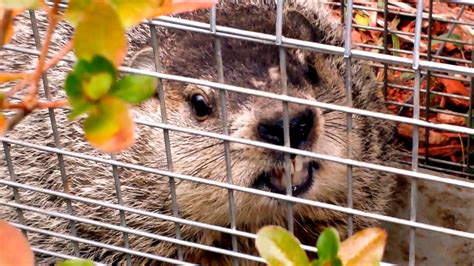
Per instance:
(270,129)
(300,127)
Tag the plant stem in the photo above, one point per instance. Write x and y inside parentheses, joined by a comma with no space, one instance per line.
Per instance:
(53,104)
(60,55)
(51,63)
(12,122)
(31,99)
(19,86)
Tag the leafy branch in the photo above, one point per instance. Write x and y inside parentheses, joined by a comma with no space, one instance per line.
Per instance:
(93,87)
(279,247)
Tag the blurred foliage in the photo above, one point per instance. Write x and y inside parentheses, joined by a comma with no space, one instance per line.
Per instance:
(279,247)
(100,45)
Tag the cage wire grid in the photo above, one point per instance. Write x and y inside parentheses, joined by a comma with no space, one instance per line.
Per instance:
(422,69)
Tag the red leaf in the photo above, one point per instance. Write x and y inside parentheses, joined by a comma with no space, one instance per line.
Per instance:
(15,249)
(3,125)
(455,87)
(410,27)
(447,150)
(450,119)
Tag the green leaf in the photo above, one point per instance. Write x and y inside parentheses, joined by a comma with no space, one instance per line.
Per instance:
(395,41)
(100,32)
(76,262)
(407,76)
(110,128)
(279,247)
(133,12)
(328,244)
(362,19)
(469,123)
(88,82)
(102,64)
(380,4)
(98,85)
(453,36)
(93,78)
(75,10)
(394,23)
(100,126)
(27,4)
(134,88)
(80,108)
(73,88)
(334,262)
(85,68)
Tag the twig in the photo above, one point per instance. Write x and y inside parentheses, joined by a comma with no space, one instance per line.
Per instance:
(53,104)
(6,18)
(31,99)
(12,122)
(51,63)
(9,105)
(60,55)
(19,86)
(40,105)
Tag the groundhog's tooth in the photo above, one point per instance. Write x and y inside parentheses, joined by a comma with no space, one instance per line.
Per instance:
(298,174)
(298,161)
(292,166)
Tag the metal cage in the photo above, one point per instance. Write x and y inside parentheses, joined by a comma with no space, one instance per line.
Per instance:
(423,67)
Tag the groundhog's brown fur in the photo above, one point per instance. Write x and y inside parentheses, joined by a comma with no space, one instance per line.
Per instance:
(310,75)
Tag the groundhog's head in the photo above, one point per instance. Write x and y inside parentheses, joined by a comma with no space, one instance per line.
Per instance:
(310,75)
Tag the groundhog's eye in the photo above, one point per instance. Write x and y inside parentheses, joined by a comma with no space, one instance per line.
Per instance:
(200,106)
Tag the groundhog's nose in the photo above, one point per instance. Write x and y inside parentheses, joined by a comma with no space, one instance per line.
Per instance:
(300,128)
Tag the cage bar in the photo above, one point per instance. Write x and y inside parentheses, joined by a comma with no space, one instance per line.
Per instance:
(423,66)
(52,118)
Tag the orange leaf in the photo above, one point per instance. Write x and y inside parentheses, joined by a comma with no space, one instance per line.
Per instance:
(6,24)
(449,46)
(450,119)
(3,125)
(410,27)
(454,87)
(363,248)
(180,6)
(447,150)
(356,37)
(434,138)
(15,249)
(5,77)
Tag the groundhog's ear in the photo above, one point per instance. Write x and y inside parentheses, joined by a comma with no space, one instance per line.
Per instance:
(298,26)
(143,59)
(302,25)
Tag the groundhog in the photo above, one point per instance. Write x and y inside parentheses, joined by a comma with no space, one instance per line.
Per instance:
(310,75)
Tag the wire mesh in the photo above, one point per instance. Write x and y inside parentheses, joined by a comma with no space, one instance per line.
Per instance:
(414,111)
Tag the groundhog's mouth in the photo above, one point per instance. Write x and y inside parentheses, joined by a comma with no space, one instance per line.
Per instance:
(301,177)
